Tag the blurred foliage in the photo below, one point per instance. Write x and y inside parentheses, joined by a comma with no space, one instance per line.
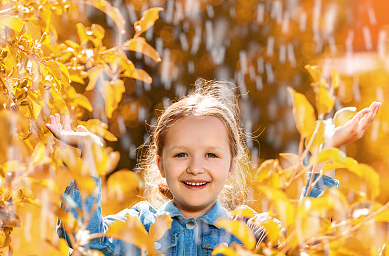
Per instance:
(84,58)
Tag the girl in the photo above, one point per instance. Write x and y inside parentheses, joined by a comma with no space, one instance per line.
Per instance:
(196,146)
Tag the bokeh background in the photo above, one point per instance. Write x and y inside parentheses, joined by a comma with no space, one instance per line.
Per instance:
(262,46)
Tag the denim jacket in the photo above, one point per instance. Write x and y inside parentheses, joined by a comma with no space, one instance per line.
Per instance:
(185,237)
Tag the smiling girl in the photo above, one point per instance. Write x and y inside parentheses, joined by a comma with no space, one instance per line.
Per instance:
(196,146)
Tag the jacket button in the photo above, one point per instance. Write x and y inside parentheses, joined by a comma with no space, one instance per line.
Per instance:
(190,225)
(157,245)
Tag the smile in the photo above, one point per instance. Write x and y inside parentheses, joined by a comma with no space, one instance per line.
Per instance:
(195,183)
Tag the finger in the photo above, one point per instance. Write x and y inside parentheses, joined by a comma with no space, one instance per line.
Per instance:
(53,130)
(81,128)
(66,123)
(357,118)
(366,121)
(52,120)
(58,121)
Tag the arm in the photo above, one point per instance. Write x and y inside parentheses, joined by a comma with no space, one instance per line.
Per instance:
(351,131)
(97,223)
(63,132)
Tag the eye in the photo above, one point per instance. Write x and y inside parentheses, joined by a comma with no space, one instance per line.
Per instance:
(181,155)
(211,155)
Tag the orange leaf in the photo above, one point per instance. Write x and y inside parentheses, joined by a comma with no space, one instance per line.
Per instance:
(148,19)
(139,44)
(160,226)
(132,231)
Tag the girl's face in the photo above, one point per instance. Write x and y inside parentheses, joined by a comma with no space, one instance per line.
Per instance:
(196,162)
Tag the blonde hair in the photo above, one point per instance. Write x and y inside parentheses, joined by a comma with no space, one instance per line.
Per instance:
(210,98)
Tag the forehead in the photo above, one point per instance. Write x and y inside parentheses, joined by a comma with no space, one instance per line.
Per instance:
(193,129)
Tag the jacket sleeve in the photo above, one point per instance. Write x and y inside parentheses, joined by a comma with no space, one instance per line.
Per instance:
(320,186)
(72,202)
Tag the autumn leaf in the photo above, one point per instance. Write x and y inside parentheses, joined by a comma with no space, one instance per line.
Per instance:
(160,226)
(342,116)
(12,22)
(334,78)
(109,10)
(132,231)
(325,101)
(112,94)
(239,230)
(304,114)
(285,210)
(243,211)
(148,19)
(315,72)
(139,44)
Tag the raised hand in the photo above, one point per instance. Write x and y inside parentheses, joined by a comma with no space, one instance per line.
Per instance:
(63,132)
(354,128)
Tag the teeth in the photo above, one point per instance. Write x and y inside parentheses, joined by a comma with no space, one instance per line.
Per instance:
(195,183)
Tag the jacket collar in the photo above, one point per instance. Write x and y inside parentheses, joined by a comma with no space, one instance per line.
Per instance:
(217,211)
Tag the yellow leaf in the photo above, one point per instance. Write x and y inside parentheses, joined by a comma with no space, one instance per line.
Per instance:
(334,79)
(315,72)
(55,69)
(243,211)
(304,114)
(329,154)
(109,10)
(131,231)
(138,74)
(273,229)
(318,139)
(83,101)
(371,178)
(12,22)
(45,39)
(112,94)
(139,44)
(148,19)
(99,128)
(325,101)
(342,116)
(94,74)
(39,156)
(123,184)
(225,251)
(81,31)
(285,210)
(160,226)
(98,31)
(266,169)
(239,230)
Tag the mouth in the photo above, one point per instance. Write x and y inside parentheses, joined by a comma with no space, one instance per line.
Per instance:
(195,185)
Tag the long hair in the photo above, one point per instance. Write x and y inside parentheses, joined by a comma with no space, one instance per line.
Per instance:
(209,98)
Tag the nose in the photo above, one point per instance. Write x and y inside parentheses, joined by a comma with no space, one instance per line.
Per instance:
(195,166)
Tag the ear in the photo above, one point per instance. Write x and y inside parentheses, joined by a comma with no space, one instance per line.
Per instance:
(158,159)
(233,166)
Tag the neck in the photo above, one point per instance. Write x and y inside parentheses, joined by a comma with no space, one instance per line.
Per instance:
(190,212)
